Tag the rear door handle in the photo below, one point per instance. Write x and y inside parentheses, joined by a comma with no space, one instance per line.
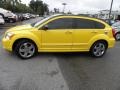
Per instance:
(106,32)
(68,32)
(94,32)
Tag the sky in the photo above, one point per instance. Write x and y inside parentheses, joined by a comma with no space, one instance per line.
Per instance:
(80,6)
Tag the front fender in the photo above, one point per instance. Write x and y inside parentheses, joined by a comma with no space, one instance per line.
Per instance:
(27,35)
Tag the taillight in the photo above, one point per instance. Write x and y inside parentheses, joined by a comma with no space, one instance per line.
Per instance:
(113,32)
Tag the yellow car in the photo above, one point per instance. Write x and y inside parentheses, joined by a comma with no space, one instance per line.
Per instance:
(60,33)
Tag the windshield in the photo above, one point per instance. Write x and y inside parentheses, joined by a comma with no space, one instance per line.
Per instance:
(40,22)
(36,24)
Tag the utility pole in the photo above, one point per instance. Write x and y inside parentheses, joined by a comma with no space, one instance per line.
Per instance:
(110,9)
(64,4)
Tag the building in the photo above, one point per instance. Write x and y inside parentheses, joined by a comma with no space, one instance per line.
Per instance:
(104,14)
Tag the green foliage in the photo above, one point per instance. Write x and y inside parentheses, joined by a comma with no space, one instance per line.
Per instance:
(37,7)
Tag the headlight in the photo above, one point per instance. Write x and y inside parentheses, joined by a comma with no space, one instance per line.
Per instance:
(9,35)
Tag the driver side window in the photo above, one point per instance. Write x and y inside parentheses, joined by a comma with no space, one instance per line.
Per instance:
(61,23)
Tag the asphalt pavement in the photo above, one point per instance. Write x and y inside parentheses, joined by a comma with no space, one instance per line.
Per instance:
(59,71)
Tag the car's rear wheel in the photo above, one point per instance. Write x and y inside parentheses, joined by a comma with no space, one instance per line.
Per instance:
(25,49)
(117,36)
(98,49)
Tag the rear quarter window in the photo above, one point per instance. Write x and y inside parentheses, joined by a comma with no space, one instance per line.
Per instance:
(99,25)
(88,24)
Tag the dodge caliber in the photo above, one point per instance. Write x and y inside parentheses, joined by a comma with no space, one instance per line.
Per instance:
(60,33)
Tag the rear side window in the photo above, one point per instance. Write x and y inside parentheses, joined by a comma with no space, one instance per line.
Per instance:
(87,24)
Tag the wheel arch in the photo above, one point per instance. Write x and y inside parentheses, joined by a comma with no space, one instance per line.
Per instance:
(2,15)
(101,40)
(16,41)
(118,32)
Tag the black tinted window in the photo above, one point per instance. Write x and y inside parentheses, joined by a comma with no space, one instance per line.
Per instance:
(87,24)
(62,23)
(99,25)
(84,24)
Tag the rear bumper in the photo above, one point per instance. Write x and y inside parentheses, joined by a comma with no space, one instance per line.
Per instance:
(111,43)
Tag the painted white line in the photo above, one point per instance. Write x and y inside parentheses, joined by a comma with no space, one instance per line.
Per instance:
(52,78)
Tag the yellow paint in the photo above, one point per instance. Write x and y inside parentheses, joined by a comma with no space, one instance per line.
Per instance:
(67,40)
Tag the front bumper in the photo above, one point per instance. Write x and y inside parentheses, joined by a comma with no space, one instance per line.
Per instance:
(7,44)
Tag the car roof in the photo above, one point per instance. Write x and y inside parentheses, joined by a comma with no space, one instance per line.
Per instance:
(1,9)
(69,15)
(85,17)
(58,15)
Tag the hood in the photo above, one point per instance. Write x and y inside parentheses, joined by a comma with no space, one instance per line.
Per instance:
(22,27)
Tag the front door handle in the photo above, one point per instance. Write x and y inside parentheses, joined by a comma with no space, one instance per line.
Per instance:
(68,32)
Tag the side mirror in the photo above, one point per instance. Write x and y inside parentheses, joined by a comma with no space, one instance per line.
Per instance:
(45,27)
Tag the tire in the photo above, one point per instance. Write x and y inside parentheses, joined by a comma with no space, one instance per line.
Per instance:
(117,36)
(2,15)
(98,49)
(25,49)
(10,20)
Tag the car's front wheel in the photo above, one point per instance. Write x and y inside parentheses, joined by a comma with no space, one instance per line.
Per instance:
(98,49)
(25,49)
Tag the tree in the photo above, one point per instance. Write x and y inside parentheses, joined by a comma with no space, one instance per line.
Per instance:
(39,7)
(15,6)
(1,3)
(69,12)
(56,10)
(45,7)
